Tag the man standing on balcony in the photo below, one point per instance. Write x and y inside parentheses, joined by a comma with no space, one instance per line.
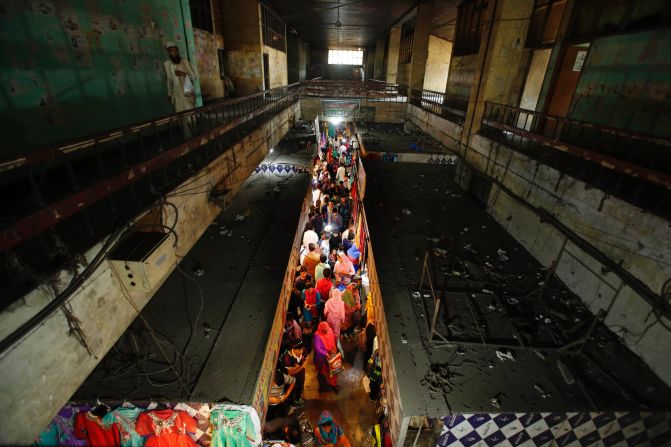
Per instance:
(180,79)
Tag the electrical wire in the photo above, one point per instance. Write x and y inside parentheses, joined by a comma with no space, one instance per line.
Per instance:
(193,324)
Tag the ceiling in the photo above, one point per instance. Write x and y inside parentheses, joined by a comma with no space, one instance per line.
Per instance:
(363,21)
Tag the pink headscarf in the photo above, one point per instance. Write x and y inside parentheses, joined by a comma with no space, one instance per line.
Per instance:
(334,310)
(335,306)
(345,267)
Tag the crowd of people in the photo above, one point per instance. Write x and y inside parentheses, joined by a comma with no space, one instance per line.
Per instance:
(327,302)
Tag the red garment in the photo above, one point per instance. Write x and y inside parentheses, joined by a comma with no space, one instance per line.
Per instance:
(325,333)
(324,286)
(88,426)
(167,428)
(311,301)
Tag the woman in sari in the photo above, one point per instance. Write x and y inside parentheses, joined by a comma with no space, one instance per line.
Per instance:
(352,303)
(334,311)
(344,269)
(325,346)
(328,433)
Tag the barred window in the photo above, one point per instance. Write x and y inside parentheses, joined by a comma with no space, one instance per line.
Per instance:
(201,14)
(346,57)
(407,37)
(472,16)
(545,21)
(274,29)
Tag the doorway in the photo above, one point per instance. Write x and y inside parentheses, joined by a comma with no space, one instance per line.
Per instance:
(266,71)
(566,84)
(567,80)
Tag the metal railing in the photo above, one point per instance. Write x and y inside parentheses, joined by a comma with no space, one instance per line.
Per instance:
(201,120)
(123,170)
(631,154)
(445,105)
(370,89)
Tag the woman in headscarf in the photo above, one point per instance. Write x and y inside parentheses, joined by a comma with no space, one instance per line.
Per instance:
(334,311)
(344,269)
(328,433)
(352,303)
(325,346)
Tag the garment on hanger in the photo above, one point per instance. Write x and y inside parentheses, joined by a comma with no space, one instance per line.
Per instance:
(166,428)
(122,420)
(91,428)
(201,413)
(232,428)
(60,432)
(251,420)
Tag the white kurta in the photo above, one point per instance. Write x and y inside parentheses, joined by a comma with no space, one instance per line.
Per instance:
(175,83)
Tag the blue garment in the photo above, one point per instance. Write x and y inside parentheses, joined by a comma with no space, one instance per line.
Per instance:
(332,436)
(125,419)
(232,428)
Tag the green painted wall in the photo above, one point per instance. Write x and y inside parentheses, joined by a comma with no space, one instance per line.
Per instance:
(69,68)
(626,83)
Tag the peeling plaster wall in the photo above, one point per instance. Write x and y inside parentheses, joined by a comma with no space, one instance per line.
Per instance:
(437,64)
(32,386)
(403,74)
(277,61)
(207,44)
(245,68)
(626,83)
(462,73)
(298,58)
(637,240)
(72,68)
(242,34)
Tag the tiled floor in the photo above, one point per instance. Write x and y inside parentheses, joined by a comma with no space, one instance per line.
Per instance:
(351,407)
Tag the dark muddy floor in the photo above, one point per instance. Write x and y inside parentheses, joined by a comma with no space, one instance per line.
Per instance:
(204,322)
(389,137)
(501,304)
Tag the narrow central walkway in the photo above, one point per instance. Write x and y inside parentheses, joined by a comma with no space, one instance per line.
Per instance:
(327,314)
(351,406)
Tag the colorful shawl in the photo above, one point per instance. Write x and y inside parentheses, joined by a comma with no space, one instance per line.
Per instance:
(332,436)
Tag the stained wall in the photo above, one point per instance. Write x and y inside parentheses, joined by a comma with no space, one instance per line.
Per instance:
(73,68)
(278,66)
(31,385)
(626,83)
(207,44)
(437,64)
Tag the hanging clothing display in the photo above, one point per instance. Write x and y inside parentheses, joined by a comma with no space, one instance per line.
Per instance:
(91,428)
(201,413)
(231,428)
(166,428)
(122,420)
(60,431)
(235,426)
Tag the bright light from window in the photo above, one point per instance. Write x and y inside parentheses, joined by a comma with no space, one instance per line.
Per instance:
(346,57)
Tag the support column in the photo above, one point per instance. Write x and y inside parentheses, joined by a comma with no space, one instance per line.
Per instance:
(242,38)
(379,59)
(191,54)
(392,54)
(420,46)
(502,48)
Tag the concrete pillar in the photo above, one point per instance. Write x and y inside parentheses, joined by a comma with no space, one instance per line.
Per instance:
(392,54)
(501,53)
(190,42)
(242,40)
(554,62)
(379,59)
(420,46)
